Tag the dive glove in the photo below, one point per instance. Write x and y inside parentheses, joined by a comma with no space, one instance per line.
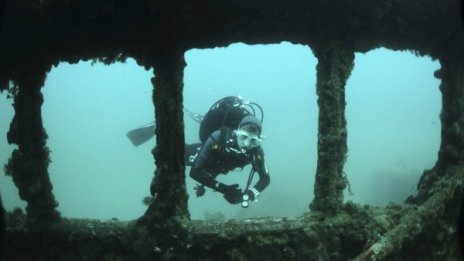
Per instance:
(199,190)
(232,193)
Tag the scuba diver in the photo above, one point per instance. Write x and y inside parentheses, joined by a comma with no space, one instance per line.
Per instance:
(230,135)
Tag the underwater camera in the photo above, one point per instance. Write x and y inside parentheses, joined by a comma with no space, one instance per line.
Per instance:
(245,200)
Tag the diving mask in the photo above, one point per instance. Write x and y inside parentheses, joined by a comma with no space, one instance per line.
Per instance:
(247,140)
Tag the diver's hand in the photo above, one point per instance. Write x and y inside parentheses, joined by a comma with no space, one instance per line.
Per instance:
(232,193)
(228,189)
(233,198)
(199,190)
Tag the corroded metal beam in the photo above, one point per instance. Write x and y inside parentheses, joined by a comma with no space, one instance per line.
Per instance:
(391,233)
(84,29)
(452,115)
(167,216)
(335,63)
(451,150)
(28,164)
(438,206)
(156,33)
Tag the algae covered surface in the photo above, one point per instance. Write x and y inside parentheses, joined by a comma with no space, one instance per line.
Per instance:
(157,34)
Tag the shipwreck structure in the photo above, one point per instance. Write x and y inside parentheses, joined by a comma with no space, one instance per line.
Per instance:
(39,34)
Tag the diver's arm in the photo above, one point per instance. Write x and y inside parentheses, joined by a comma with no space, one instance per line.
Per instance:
(260,166)
(198,171)
(204,178)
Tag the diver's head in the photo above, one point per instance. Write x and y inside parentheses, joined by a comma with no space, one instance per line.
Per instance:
(249,133)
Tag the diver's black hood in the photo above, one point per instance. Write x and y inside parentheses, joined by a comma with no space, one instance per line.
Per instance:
(251,120)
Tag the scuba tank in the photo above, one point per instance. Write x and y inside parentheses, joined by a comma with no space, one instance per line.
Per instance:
(227,112)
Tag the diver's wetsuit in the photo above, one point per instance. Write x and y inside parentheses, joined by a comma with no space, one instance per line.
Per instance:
(219,155)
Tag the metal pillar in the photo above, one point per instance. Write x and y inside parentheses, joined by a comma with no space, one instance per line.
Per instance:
(452,115)
(167,217)
(333,69)
(28,164)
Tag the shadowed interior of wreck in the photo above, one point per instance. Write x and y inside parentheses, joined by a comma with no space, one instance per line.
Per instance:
(157,34)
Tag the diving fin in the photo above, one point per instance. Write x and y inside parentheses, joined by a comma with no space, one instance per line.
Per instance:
(141,135)
(195,116)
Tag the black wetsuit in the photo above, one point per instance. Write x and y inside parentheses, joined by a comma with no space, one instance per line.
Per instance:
(219,155)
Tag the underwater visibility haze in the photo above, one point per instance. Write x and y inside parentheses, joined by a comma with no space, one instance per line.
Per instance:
(392,113)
